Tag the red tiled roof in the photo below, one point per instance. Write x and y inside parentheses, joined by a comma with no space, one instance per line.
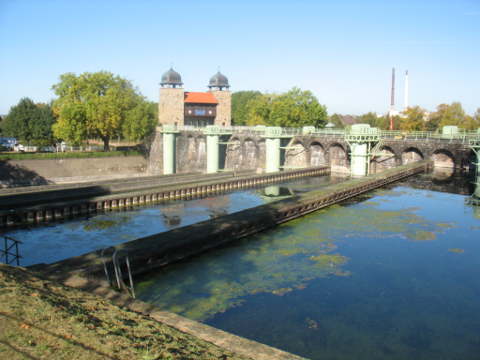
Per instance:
(200,98)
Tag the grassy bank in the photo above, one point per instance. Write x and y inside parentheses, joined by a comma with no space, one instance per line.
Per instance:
(40,319)
(67,155)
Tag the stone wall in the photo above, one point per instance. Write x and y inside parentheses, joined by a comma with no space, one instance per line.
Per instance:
(171,106)
(224,107)
(246,151)
(38,172)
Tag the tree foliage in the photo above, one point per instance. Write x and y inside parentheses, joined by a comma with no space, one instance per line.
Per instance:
(99,104)
(448,115)
(295,108)
(140,120)
(413,119)
(371,118)
(336,119)
(30,123)
(240,106)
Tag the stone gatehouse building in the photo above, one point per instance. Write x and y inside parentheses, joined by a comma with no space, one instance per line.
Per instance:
(179,107)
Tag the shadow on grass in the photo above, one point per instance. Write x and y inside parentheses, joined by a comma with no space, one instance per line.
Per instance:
(28,356)
(58,336)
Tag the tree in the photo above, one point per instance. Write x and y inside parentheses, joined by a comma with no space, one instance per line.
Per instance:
(30,122)
(448,115)
(297,108)
(140,121)
(472,122)
(259,109)
(98,104)
(382,122)
(413,119)
(240,107)
(336,119)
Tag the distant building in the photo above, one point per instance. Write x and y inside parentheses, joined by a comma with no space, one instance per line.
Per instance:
(179,107)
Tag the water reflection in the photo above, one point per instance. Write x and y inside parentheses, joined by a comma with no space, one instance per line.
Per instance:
(391,275)
(57,241)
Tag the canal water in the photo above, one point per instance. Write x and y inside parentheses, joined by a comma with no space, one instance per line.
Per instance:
(391,275)
(58,241)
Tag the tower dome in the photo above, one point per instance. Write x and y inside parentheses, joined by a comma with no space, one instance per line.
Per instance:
(219,81)
(171,78)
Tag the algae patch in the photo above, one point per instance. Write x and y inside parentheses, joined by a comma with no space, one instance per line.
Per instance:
(456,251)
(422,235)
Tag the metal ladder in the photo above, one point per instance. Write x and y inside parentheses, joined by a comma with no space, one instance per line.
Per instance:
(116,258)
(5,253)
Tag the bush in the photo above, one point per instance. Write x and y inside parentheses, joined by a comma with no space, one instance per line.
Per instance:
(66,155)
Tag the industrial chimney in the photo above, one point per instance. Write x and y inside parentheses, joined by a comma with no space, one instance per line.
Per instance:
(392,95)
(406,90)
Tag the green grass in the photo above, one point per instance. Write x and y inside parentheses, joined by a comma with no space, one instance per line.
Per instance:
(67,155)
(41,319)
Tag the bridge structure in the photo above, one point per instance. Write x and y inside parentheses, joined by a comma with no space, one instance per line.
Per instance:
(358,150)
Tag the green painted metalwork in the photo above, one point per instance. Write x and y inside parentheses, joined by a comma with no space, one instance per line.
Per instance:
(272,155)
(361,138)
(475,146)
(168,153)
(212,153)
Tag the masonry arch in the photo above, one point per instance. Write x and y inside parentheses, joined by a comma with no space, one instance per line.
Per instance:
(317,154)
(234,154)
(250,154)
(296,155)
(201,158)
(410,155)
(338,157)
(443,158)
(387,159)
(261,155)
(191,149)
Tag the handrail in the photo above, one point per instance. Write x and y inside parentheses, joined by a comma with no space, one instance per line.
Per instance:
(462,136)
(6,252)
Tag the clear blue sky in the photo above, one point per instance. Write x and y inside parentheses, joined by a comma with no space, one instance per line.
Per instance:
(342,51)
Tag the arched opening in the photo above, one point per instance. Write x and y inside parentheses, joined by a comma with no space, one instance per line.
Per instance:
(201,160)
(250,158)
(191,149)
(317,155)
(338,158)
(234,154)
(260,156)
(296,156)
(411,155)
(386,159)
(443,159)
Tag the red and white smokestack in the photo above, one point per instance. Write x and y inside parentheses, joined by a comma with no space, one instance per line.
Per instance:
(392,101)
(406,90)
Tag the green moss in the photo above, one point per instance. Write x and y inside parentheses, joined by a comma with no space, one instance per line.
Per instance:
(328,260)
(66,155)
(422,235)
(101,224)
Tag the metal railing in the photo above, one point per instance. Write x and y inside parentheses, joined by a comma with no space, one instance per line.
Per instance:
(8,256)
(464,137)
(117,256)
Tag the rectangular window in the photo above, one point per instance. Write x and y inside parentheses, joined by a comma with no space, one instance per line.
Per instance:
(200,112)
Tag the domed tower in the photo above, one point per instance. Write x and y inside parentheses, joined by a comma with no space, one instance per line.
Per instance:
(219,86)
(170,104)
(171,78)
(218,82)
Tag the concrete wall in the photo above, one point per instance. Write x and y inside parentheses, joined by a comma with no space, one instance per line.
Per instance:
(38,172)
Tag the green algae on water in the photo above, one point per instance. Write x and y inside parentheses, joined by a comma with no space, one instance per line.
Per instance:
(422,235)
(456,251)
